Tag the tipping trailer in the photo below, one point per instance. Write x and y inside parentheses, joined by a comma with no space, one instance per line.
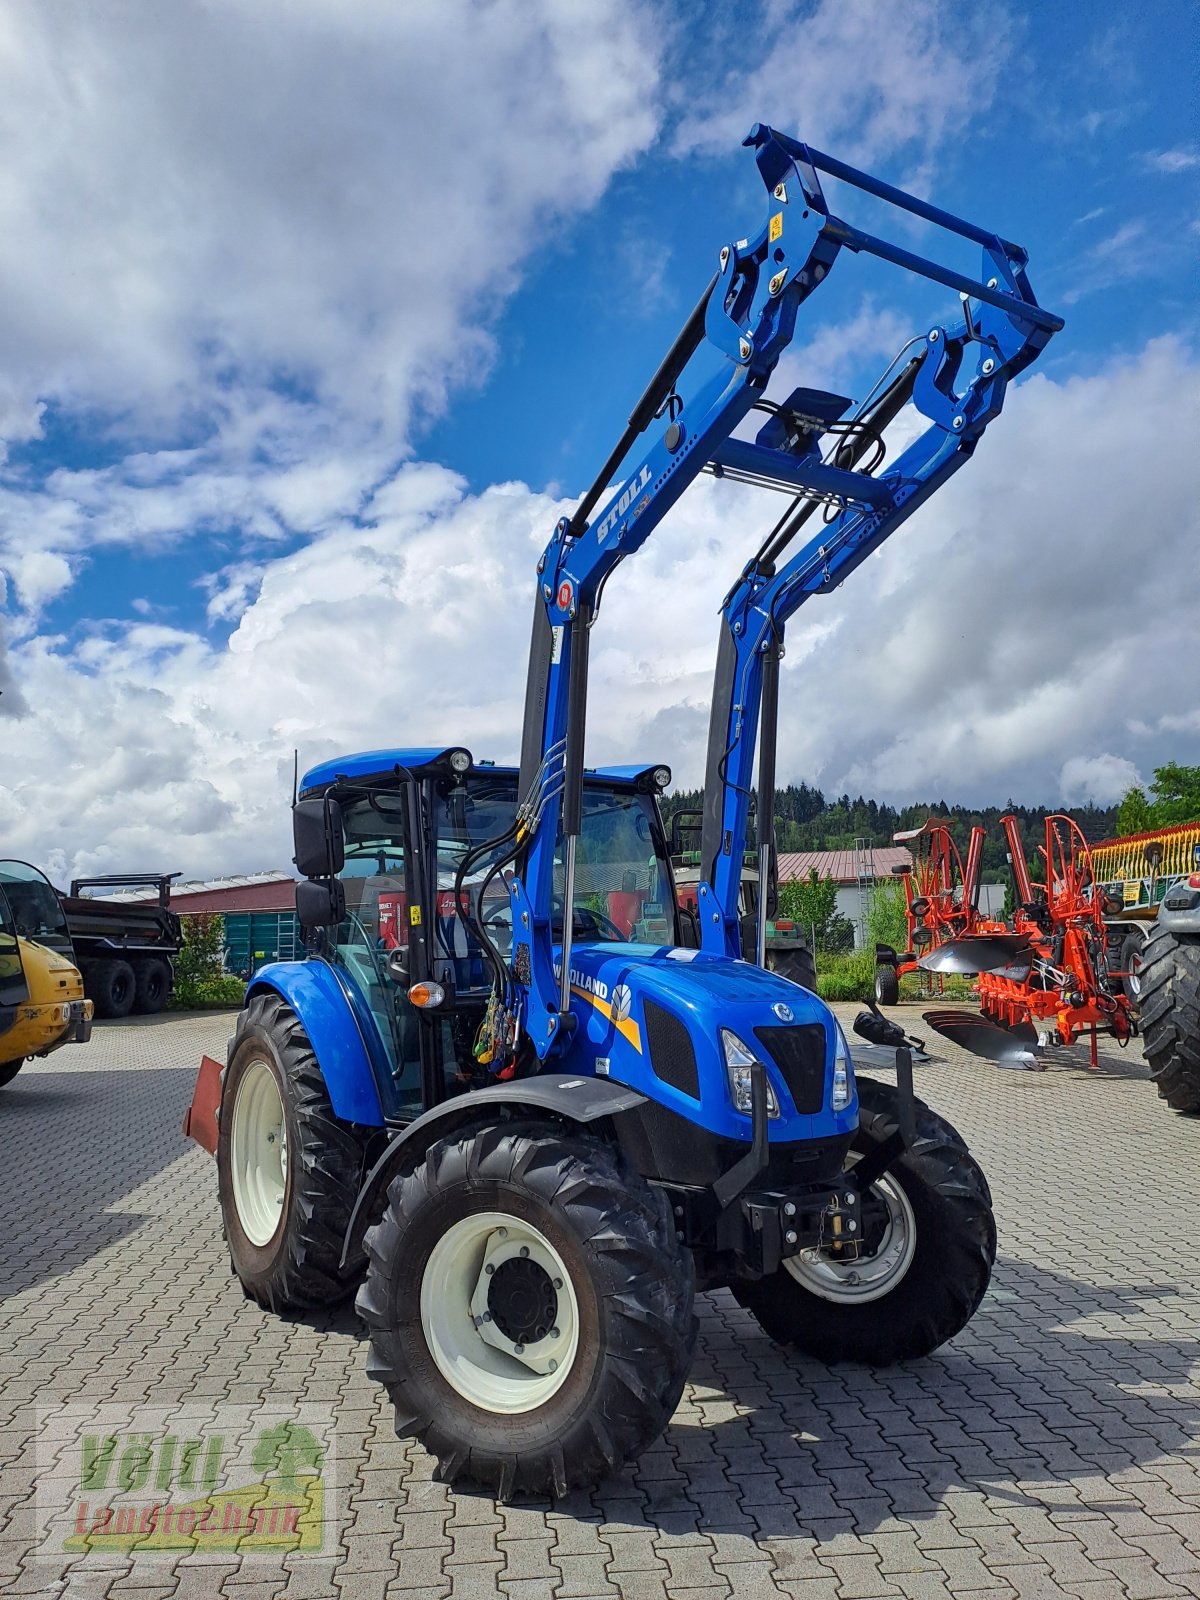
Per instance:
(126,948)
(529,1135)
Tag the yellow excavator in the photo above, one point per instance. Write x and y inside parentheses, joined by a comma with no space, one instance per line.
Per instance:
(41,991)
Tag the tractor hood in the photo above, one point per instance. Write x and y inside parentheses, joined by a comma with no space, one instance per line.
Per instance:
(652,1018)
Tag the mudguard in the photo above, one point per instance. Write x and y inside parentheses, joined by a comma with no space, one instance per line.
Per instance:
(313,991)
(578,1099)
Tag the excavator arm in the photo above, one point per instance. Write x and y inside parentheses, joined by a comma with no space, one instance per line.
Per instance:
(727,352)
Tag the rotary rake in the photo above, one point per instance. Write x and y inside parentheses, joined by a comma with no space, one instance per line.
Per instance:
(1042,977)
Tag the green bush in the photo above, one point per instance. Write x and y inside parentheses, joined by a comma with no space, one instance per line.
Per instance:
(200,979)
(887,921)
(849,977)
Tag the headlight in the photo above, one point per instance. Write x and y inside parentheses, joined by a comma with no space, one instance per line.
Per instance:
(843,1073)
(738,1062)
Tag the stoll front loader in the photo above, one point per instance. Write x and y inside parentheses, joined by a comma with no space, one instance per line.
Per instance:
(505,1080)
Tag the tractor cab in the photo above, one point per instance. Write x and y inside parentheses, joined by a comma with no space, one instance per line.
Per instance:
(404,949)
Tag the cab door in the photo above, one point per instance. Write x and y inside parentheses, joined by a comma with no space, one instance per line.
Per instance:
(14,987)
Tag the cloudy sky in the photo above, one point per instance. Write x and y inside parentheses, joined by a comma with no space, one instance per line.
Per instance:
(314,316)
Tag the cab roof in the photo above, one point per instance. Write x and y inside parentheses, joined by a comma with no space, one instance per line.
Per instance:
(426,759)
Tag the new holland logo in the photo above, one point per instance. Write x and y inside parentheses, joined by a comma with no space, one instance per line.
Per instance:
(782,1011)
(622,1002)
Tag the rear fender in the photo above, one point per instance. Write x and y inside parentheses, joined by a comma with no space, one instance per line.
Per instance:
(558,1094)
(316,994)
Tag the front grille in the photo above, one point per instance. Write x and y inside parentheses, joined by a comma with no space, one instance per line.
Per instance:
(799,1053)
(672,1054)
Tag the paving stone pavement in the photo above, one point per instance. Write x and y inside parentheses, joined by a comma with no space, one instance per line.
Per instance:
(1050,1450)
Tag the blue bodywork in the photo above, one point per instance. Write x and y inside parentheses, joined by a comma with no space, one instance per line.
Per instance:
(341,1030)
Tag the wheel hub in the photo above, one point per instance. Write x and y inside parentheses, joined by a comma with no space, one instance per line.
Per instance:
(522,1300)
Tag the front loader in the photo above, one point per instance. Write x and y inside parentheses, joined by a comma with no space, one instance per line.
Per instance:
(540,1108)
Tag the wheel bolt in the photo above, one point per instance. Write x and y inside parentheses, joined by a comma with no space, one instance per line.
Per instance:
(849,1199)
(524,1249)
(520,1349)
(502,1233)
(791,1236)
(554,1333)
(487,1316)
(789,1210)
(554,1366)
(558,1283)
(489,1269)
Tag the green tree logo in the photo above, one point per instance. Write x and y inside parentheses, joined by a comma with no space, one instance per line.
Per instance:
(288,1452)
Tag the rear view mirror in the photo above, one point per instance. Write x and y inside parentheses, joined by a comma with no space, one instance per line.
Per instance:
(320,905)
(317,834)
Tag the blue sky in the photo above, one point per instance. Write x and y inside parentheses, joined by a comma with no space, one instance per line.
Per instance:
(315,321)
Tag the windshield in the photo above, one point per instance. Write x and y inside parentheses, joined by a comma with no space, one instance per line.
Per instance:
(36,910)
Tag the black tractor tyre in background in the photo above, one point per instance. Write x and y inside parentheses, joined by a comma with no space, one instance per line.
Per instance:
(887,986)
(112,987)
(1169,1002)
(152,978)
(949,1270)
(297,1266)
(797,964)
(9,1071)
(628,1305)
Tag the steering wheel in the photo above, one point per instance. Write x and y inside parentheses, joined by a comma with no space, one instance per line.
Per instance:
(602,923)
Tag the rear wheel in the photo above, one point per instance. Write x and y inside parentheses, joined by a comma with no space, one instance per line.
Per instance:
(932,1243)
(1170,1016)
(797,964)
(112,987)
(530,1309)
(153,983)
(9,1071)
(887,986)
(288,1169)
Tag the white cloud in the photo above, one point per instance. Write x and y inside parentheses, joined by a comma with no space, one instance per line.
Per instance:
(872,78)
(1180,159)
(1103,779)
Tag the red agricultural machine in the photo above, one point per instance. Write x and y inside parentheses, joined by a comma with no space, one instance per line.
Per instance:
(941,901)
(1041,978)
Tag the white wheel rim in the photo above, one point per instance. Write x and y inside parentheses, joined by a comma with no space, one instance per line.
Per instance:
(1135,973)
(527,1286)
(258,1153)
(856,1282)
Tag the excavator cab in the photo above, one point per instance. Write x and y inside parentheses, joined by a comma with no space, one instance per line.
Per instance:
(41,992)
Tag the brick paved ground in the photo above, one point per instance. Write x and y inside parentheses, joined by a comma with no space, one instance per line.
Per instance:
(1050,1450)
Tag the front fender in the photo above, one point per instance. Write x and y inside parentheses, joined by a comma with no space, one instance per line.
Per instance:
(315,994)
(1180,911)
(575,1099)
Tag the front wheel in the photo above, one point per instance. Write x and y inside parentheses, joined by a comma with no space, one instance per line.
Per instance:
(530,1309)
(9,1071)
(931,1243)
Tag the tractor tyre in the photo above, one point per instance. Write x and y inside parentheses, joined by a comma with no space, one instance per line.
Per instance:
(9,1071)
(929,1224)
(1132,959)
(113,988)
(887,986)
(153,984)
(288,1169)
(797,964)
(530,1308)
(1169,1002)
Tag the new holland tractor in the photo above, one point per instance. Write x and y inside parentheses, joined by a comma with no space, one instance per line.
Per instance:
(42,1005)
(511,1094)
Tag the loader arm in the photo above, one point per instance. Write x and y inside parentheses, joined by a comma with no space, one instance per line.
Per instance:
(739,329)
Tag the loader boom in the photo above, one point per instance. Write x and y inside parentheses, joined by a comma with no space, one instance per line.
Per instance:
(745,319)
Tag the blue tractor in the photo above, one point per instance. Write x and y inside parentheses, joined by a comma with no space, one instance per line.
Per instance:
(516,1094)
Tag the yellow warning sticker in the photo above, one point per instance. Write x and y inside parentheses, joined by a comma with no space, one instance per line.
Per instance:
(776,226)
(414,916)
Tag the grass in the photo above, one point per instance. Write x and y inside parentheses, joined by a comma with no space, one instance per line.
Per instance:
(852,977)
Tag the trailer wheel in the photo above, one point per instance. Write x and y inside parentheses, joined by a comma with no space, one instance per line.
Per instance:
(1132,959)
(113,988)
(152,978)
(288,1169)
(933,1240)
(887,986)
(1169,1001)
(797,965)
(530,1308)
